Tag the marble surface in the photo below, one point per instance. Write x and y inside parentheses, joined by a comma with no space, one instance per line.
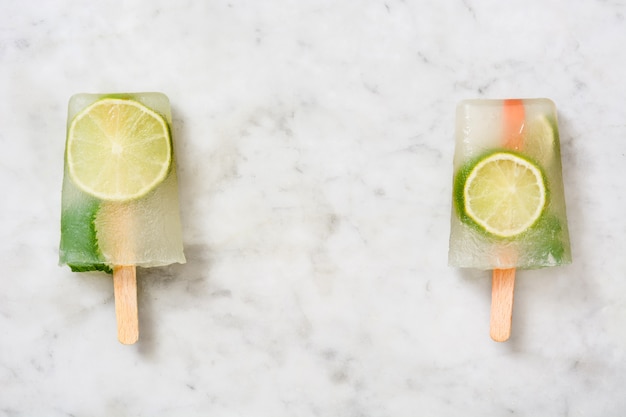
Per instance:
(314,141)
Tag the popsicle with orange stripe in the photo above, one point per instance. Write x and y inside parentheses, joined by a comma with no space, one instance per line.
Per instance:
(508,199)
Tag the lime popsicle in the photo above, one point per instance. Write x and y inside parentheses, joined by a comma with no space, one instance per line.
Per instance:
(508,200)
(120,193)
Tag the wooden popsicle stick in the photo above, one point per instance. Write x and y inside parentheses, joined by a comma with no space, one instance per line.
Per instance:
(502,288)
(125,289)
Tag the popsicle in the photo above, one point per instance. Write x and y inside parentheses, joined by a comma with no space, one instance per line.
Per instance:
(508,200)
(120,193)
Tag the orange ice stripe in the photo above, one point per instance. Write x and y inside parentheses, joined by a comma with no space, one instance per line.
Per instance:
(513,124)
(504,279)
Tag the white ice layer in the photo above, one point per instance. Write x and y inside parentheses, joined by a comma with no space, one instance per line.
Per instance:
(144,232)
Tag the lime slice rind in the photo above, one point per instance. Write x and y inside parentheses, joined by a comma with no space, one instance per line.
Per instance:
(102,158)
(79,247)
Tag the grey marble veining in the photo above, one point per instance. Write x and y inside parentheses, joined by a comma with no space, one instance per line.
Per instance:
(314,142)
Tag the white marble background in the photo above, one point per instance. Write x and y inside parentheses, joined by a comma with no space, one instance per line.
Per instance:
(315,144)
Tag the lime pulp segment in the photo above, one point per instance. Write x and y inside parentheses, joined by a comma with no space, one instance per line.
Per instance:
(540,139)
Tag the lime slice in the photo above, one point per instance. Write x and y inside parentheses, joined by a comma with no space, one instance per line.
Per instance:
(540,139)
(118,149)
(502,193)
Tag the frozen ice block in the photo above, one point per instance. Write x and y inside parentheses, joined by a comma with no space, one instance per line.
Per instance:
(508,203)
(120,193)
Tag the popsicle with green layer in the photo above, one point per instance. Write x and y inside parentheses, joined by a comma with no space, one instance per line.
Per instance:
(120,194)
(508,199)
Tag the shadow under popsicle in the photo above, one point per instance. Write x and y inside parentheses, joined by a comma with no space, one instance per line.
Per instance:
(178,282)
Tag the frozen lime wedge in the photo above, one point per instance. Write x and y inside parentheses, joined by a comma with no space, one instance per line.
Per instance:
(502,193)
(540,139)
(118,149)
